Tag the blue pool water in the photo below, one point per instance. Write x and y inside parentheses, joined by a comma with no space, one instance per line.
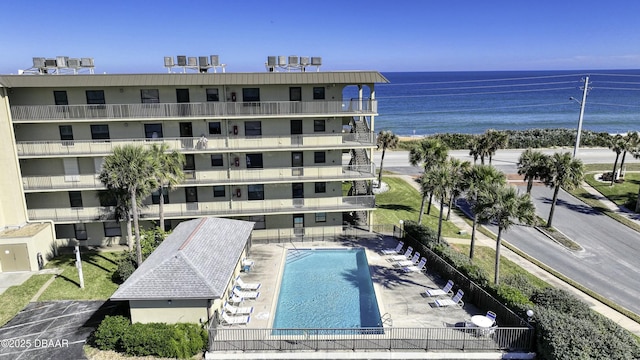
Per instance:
(326,288)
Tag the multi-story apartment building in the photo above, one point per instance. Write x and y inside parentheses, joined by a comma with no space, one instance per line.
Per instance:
(288,150)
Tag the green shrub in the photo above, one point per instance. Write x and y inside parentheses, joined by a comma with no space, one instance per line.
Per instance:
(190,338)
(423,234)
(150,239)
(149,339)
(511,296)
(108,335)
(561,301)
(520,282)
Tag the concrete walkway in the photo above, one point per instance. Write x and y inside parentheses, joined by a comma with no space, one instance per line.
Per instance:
(483,240)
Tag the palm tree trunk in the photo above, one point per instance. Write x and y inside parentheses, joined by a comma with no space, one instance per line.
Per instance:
(136,227)
(161,208)
(497,264)
(529,185)
(384,149)
(624,155)
(638,202)
(473,235)
(553,205)
(430,201)
(424,200)
(449,208)
(129,234)
(440,217)
(613,173)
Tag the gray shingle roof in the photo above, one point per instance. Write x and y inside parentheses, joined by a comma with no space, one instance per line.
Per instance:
(196,261)
(122,80)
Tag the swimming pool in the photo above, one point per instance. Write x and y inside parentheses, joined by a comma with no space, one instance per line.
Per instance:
(326,288)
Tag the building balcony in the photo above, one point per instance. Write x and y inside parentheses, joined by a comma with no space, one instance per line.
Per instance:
(219,144)
(208,110)
(219,208)
(235,176)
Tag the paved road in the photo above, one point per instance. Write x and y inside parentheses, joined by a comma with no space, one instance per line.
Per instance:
(610,262)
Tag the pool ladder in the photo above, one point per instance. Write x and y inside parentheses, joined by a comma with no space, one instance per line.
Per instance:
(295,255)
(386,319)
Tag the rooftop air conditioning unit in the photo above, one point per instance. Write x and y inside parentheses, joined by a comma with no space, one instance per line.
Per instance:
(38,62)
(62,61)
(192,61)
(50,63)
(86,62)
(182,60)
(282,61)
(168,61)
(215,60)
(73,63)
(293,60)
(271,61)
(316,60)
(203,61)
(304,60)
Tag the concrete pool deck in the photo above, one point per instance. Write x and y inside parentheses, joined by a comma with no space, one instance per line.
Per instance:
(400,295)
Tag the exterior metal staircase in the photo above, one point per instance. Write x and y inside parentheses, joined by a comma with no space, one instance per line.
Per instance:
(360,129)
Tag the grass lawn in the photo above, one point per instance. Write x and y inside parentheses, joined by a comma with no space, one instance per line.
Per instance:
(16,298)
(625,193)
(485,258)
(402,202)
(97,268)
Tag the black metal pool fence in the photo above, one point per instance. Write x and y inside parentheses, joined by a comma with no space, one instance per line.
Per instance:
(371,339)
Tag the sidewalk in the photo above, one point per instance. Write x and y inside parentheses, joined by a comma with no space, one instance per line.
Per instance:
(483,240)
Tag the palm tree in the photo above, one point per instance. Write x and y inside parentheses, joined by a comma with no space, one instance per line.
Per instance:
(458,169)
(636,154)
(430,152)
(617,144)
(440,177)
(132,169)
(386,139)
(505,206)
(474,148)
(532,164)
(121,208)
(495,140)
(563,171)
(476,180)
(631,139)
(168,173)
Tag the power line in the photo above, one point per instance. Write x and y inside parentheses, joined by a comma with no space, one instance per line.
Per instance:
(482,80)
(499,86)
(476,93)
(474,109)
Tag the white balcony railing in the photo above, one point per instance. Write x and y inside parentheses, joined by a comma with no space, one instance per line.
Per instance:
(223,176)
(191,145)
(220,208)
(226,110)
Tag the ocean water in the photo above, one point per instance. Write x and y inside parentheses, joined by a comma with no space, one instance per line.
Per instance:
(423,103)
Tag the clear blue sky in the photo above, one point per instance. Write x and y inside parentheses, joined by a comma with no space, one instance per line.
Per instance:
(133,36)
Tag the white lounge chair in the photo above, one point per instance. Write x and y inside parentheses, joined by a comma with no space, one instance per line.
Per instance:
(395,251)
(234,310)
(245,294)
(414,260)
(455,301)
(445,291)
(234,320)
(235,299)
(246,286)
(416,268)
(406,256)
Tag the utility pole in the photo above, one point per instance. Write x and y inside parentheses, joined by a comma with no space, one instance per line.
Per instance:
(585,90)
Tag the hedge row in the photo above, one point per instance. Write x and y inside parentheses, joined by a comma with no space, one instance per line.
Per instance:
(566,327)
(524,139)
(156,339)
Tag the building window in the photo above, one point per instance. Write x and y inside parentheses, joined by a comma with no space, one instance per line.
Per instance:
(212,95)
(295,94)
(297,190)
(155,196)
(319,125)
(250,94)
(298,221)
(81,231)
(95,97)
(100,132)
(216,160)
(215,128)
(321,187)
(107,198)
(112,229)
(254,161)
(296,127)
(319,157)
(253,128)
(321,217)
(66,132)
(60,97)
(150,96)
(218,191)
(255,192)
(189,162)
(153,131)
(260,222)
(318,93)
(191,194)
(75,199)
